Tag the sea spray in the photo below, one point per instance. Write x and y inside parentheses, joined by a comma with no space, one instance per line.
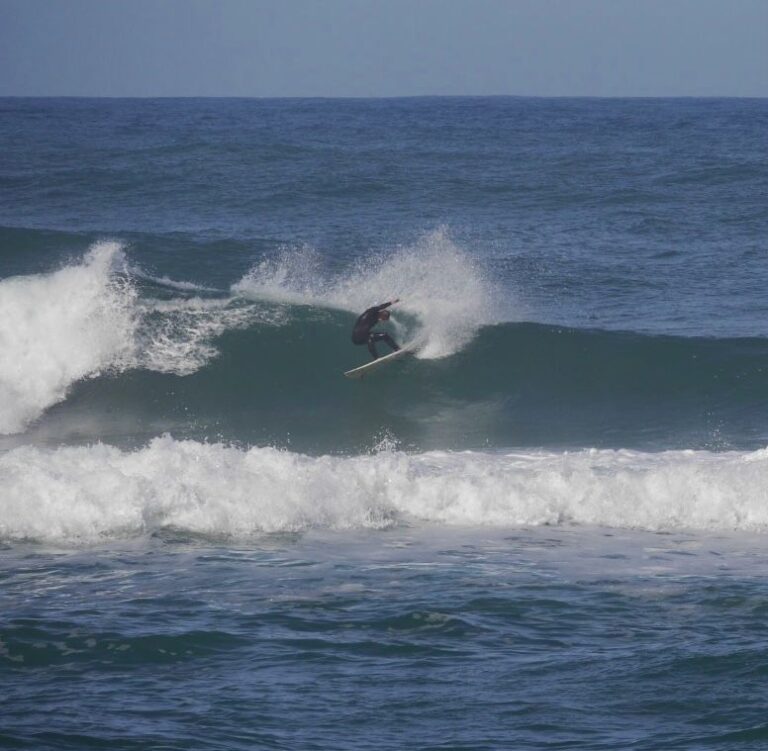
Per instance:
(176,336)
(445,294)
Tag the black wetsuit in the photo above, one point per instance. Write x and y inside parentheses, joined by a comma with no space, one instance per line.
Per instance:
(362,333)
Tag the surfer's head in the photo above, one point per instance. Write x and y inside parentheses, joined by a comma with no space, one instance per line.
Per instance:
(383,315)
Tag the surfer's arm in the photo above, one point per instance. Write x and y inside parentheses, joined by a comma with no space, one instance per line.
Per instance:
(371,317)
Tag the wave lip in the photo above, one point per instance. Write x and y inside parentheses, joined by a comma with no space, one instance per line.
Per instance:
(60,327)
(85,494)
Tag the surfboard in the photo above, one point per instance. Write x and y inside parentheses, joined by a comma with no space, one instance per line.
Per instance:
(374,365)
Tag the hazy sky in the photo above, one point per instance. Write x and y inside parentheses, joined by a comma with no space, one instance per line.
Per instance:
(383,47)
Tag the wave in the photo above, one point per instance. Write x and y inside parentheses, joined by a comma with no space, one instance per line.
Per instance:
(60,327)
(514,385)
(86,494)
(102,315)
(138,356)
(88,319)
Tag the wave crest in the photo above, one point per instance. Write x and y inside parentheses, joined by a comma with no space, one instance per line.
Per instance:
(60,327)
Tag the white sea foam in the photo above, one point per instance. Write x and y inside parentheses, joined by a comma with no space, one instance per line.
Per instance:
(60,327)
(86,319)
(176,336)
(89,493)
(445,296)
(166,281)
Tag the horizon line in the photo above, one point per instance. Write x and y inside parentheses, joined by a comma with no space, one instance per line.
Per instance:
(390,96)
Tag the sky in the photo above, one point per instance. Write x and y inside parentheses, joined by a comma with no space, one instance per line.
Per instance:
(383,48)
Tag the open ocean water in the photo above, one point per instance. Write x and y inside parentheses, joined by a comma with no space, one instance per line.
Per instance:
(547,530)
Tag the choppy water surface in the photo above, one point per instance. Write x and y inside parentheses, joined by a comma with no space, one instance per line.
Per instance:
(421,638)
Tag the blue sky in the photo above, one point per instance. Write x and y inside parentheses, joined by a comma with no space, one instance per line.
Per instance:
(383,47)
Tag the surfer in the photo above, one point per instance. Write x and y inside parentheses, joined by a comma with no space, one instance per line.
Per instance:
(362,334)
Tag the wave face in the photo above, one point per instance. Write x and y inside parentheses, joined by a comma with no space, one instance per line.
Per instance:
(125,355)
(91,493)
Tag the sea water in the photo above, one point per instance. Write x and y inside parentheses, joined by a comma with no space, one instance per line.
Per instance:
(546,530)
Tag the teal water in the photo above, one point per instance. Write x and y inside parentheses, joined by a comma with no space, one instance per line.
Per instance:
(514,385)
(544,530)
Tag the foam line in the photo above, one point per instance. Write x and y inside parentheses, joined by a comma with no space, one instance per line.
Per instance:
(84,494)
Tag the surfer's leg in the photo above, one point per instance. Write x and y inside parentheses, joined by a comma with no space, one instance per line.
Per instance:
(372,347)
(390,341)
(380,336)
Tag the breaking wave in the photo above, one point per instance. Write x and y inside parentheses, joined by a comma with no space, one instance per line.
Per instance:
(87,319)
(262,364)
(99,492)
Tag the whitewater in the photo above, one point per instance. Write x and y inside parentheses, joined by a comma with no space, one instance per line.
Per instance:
(86,495)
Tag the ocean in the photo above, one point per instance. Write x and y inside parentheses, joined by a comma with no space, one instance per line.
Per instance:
(545,530)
